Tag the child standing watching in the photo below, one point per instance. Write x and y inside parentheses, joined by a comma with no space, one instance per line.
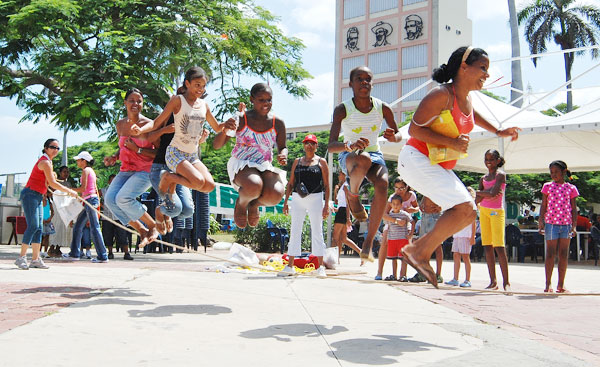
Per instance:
(491,212)
(342,219)
(398,236)
(250,167)
(462,241)
(558,218)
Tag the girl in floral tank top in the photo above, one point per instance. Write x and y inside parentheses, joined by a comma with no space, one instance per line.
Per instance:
(250,169)
(558,218)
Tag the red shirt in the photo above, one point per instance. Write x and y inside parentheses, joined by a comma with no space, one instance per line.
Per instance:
(37,179)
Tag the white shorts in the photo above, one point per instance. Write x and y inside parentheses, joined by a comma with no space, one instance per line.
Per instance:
(235,165)
(439,184)
(462,245)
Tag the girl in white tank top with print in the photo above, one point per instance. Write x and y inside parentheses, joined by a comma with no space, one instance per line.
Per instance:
(191,113)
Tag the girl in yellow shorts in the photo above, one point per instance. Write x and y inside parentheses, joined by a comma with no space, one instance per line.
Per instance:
(491,217)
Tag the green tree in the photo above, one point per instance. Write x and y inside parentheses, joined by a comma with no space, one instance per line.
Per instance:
(98,150)
(564,23)
(73,60)
(561,107)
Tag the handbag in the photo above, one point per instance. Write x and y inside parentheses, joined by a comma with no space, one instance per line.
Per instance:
(444,124)
(301,189)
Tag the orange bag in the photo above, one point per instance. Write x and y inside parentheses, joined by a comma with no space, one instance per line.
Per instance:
(444,124)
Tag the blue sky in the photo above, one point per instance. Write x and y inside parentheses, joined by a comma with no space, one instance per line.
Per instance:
(313,22)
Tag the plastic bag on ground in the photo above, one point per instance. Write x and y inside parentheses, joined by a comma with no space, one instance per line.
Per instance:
(242,255)
(331,257)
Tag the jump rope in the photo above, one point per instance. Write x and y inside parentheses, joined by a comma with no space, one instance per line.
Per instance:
(309,273)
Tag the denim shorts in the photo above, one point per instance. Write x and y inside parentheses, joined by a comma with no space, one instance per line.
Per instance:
(376,158)
(174,156)
(556,231)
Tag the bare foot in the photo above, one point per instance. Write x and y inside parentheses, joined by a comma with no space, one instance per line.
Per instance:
(422,266)
(152,234)
(356,208)
(160,221)
(253,213)
(168,224)
(493,286)
(508,290)
(143,237)
(240,214)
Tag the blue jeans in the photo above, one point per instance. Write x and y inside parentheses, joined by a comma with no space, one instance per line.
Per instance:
(91,215)
(184,206)
(376,158)
(31,201)
(121,196)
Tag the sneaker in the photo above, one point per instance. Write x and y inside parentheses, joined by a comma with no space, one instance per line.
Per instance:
(43,254)
(465,284)
(127,256)
(69,257)
(418,278)
(321,271)
(111,256)
(440,280)
(21,263)
(96,260)
(57,251)
(453,282)
(38,264)
(88,254)
(403,279)
(378,277)
(286,272)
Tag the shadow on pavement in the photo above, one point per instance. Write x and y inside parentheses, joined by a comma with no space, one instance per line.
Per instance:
(380,350)
(166,311)
(280,332)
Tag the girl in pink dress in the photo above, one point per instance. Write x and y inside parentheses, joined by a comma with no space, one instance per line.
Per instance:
(558,218)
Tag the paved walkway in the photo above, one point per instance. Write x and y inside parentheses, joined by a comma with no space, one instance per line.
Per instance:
(169,310)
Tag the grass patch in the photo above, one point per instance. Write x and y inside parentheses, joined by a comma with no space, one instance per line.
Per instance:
(223,237)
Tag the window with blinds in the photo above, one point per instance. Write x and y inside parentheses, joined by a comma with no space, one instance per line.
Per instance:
(410,84)
(387,92)
(346,93)
(414,57)
(377,6)
(350,63)
(354,8)
(383,62)
(410,2)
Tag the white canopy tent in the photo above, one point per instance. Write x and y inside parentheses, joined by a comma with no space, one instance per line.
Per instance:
(573,138)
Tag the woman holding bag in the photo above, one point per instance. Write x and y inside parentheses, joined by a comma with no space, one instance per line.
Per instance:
(309,180)
(468,69)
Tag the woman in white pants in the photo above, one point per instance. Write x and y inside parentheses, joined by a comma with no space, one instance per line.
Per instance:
(308,181)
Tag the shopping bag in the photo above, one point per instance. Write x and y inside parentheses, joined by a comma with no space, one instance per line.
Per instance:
(444,124)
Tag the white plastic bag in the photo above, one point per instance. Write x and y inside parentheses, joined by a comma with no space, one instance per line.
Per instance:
(67,206)
(331,257)
(242,255)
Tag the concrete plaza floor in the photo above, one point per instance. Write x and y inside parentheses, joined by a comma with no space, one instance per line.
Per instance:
(170,310)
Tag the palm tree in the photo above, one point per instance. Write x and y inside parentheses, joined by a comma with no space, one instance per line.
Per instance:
(567,25)
(517,80)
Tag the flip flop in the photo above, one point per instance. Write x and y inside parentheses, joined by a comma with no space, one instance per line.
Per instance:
(360,215)
(425,269)
(548,290)
(561,290)
(369,257)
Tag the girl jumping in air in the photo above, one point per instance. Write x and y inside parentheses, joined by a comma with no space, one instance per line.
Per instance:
(250,169)
(191,113)
(558,218)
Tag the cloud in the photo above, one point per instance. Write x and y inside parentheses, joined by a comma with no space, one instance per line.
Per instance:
(313,40)
(499,51)
(481,10)
(316,14)
(321,87)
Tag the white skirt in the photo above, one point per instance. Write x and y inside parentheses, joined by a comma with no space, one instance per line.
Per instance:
(235,165)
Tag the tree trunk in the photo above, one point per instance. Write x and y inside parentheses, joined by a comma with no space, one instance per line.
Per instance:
(64,148)
(517,80)
(568,65)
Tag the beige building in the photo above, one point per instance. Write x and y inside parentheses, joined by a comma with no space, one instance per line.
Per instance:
(401,41)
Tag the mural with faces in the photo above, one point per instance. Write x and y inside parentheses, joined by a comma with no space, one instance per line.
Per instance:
(415,27)
(353,39)
(383,33)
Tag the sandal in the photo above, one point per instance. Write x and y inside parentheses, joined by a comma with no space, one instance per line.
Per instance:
(561,290)
(390,278)
(548,290)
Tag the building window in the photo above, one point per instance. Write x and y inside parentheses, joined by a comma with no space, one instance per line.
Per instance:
(346,93)
(410,2)
(354,8)
(350,63)
(414,57)
(387,92)
(410,84)
(383,62)
(289,136)
(382,5)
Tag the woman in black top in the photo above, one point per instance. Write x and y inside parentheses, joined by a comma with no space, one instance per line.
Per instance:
(308,181)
